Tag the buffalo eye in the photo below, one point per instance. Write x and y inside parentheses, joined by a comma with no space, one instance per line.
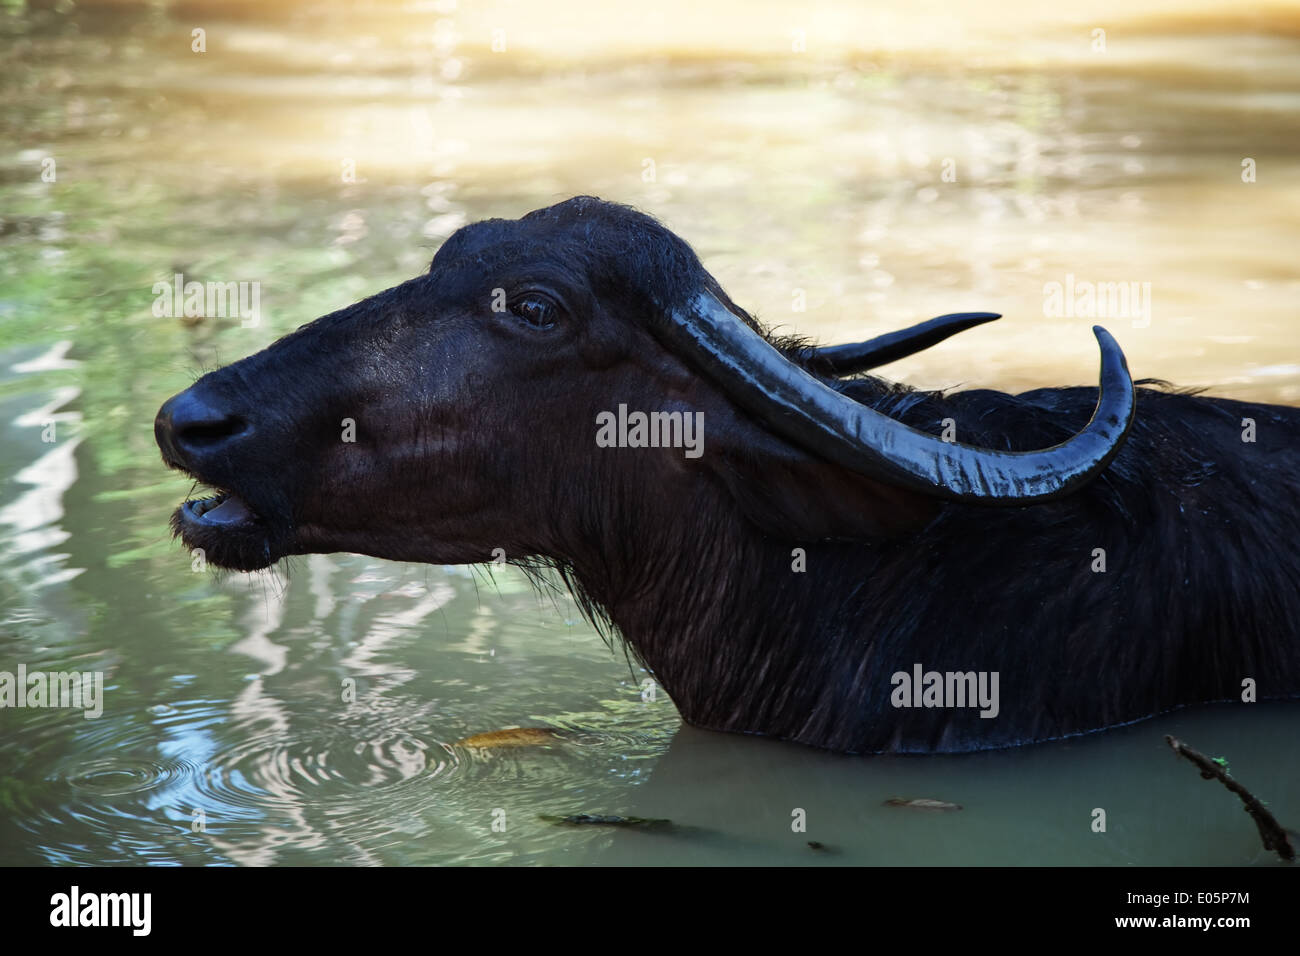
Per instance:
(537,310)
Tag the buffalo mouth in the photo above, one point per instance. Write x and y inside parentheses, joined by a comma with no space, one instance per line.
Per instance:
(228,530)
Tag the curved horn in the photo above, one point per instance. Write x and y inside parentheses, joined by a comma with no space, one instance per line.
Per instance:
(883,349)
(812,415)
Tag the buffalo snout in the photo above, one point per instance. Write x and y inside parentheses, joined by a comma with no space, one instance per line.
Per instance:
(194,425)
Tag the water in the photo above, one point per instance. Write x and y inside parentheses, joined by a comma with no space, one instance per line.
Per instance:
(817,174)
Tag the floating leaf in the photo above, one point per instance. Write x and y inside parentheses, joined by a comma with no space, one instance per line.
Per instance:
(511,737)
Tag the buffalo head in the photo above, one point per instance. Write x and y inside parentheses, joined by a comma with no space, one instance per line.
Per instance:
(456,414)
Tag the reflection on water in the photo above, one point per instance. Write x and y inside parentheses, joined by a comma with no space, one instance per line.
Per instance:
(842,170)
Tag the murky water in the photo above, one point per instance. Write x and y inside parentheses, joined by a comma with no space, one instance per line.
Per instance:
(874,167)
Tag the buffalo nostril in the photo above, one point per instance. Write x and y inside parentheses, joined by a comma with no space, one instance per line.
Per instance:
(210,432)
(190,423)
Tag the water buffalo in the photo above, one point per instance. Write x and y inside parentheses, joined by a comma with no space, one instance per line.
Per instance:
(845,562)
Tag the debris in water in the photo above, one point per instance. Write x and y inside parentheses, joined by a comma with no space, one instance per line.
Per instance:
(822,847)
(511,737)
(603,820)
(923,804)
(1274,836)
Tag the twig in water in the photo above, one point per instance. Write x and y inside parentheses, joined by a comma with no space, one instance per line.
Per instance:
(1270,831)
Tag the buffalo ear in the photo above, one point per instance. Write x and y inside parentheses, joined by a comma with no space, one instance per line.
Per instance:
(795,496)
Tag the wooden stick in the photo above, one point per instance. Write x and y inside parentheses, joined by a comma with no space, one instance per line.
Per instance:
(1270,831)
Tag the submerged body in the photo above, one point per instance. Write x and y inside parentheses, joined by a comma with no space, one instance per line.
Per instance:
(1086,558)
(1200,591)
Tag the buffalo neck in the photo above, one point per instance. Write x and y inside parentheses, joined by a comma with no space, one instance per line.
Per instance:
(716,610)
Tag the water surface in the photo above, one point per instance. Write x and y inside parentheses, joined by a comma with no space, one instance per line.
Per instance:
(843,172)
